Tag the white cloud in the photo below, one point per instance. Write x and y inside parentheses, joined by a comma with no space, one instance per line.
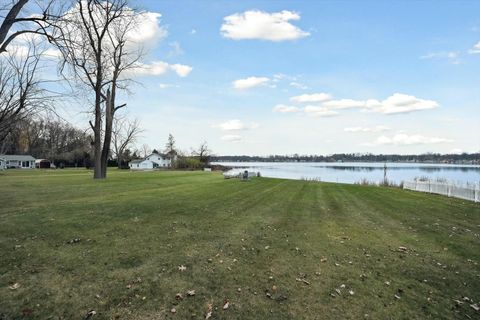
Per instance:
(158,68)
(316,111)
(147,31)
(281,108)
(399,103)
(394,104)
(231,138)
(475,49)
(250,82)
(298,85)
(144,30)
(235,124)
(405,139)
(452,56)
(314,97)
(181,69)
(193,31)
(255,24)
(344,104)
(366,129)
(166,85)
(176,49)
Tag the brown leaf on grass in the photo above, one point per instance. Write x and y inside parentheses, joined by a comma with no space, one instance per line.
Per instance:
(27,312)
(90,314)
(190,293)
(402,249)
(179,296)
(182,268)
(173,310)
(303,280)
(209,311)
(74,240)
(14,286)
(226,304)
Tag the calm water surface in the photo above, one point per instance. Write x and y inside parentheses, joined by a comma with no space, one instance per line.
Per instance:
(353,172)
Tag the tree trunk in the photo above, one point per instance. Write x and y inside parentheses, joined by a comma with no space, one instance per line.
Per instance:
(97,144)
(109,114)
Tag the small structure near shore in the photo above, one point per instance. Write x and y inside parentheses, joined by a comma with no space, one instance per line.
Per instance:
(243,175)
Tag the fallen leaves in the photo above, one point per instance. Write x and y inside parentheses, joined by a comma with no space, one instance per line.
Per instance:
(302,280)
(14,286)
(90,314)
(209,311)
(74,240)
(182,268)
(226,304)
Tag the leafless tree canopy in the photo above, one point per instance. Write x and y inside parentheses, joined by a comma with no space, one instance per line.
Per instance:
(21,92)
(203,152)
(97,52)
(16,22)
(170,147)
(124,134)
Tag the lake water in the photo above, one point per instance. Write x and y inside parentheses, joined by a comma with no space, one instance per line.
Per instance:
(357,171)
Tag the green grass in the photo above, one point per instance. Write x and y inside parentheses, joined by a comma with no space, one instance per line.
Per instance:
(246,242)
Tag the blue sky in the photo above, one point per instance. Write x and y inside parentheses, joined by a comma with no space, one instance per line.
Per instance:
(389,76)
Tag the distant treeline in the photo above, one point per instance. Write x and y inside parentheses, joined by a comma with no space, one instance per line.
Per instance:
(464,158)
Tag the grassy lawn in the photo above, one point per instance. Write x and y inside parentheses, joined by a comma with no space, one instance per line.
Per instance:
(275,249)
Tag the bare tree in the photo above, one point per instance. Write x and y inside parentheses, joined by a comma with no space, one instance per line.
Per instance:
(124,134)
(145,150)
(170,147)
(21,92)
(36,23)
(93,39)
(203,153)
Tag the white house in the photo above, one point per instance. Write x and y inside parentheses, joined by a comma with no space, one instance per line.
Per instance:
(17,161)
(153,161)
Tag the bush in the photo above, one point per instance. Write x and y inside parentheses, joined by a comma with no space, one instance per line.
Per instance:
(190,163)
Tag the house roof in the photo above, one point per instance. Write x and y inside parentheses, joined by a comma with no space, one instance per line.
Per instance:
(15,157)
(163,155)
(137,161)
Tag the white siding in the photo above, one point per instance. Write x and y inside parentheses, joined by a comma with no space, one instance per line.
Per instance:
(144,165)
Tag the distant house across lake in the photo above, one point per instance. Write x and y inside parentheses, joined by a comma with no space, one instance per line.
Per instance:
(17,161)
(153,161)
